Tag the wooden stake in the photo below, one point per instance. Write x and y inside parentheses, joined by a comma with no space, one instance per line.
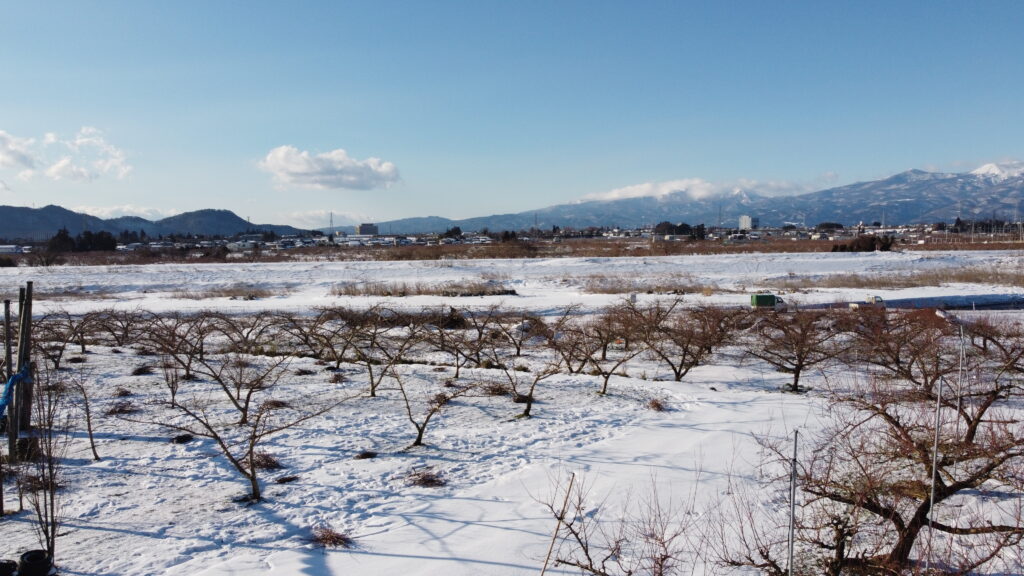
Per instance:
(8,357)
(558,525)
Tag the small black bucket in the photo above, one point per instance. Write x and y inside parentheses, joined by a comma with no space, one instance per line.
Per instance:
(7,567)
(35,563)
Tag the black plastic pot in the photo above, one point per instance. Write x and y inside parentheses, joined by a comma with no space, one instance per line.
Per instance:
(7,567)
(35,563)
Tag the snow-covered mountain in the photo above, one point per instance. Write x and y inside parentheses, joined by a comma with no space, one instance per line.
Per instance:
(914,196)
(1000,172)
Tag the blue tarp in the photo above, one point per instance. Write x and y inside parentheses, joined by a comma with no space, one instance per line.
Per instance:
(9,389)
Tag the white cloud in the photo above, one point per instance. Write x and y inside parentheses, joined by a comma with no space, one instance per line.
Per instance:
(127,210)
(329,170)
(698,188)
(66,169)
(83,158)
(313,219)
(102,156)
(4,188)
(16,152)
(694,187)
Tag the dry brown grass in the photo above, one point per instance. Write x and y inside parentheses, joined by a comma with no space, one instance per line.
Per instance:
(236,292)
(266,461)
(402,289)
(144,370)
(326,536)
(425,477)
(274,404)
(74,293)
(122,407)
(496,389)
(900,281)
(601,284)
(657,405)
(568,247)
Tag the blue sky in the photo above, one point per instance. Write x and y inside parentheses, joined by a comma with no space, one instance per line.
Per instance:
(283,112)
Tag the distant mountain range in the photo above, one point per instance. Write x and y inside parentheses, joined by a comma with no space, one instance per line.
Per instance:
(20,224)
(915,196)
(910,197)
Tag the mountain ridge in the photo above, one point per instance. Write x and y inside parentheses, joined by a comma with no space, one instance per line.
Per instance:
(33,224)
(909,197)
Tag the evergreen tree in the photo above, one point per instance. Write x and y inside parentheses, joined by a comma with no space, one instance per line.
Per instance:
(61,242)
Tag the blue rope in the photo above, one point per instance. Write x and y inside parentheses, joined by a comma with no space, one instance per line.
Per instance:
(9,389)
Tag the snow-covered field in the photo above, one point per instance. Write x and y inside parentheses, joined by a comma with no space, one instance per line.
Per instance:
(541,284)
(154,507)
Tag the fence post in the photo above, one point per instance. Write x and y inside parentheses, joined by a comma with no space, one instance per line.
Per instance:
(19,412)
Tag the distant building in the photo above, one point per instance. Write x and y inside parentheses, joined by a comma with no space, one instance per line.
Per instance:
(748,223)
(367,230)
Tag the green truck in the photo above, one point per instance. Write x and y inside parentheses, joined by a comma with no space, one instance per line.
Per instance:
(764,300)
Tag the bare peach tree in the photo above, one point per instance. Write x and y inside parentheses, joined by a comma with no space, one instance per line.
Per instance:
(608,343)
(648,535)
(904,345)
(792,342)
(79,382)
(445,332)
(683,339)
(57,330)
(901,480)
(519,327)
(41,476)
(238,429)
(327,335)
(120,327)
(297,333)
(524,385)
(568,338)
(522,378)
(380,342)
(180,338)
(242,378)
(422,404)
(248,333)
(482,328)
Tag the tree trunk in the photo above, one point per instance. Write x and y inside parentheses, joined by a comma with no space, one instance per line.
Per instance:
(900,554)
(254,483)
(796,378)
